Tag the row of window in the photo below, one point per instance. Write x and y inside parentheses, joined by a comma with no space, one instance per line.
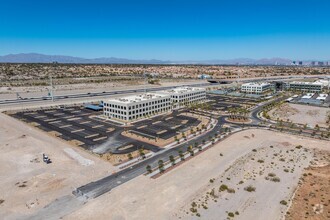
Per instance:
(123,107)
(161,106)
(123,117)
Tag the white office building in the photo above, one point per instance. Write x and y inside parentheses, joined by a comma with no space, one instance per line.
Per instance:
(137,106)
(316,86)
(256,87)
(131,108)
(184,96)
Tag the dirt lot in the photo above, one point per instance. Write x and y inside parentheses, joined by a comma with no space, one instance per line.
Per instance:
(312,198)
(26,182)
(303,114)
(171,195)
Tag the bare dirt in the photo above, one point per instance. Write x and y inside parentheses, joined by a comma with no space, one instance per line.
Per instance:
(312,198)
(171,195)
(303,114)
(27,184)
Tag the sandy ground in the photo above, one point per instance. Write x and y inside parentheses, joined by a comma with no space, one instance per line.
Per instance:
(303,114)
(171,195)
(26,182)
(312,198)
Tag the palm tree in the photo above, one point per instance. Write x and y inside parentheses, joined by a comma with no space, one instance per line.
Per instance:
(161,165)
(130,157)
(190,150)
(171,157)
(181,155)
(149,169)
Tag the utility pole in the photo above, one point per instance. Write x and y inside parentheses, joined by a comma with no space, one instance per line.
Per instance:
(145,82)
(51,88)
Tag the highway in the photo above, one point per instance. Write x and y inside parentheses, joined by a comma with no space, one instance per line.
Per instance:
(89,95)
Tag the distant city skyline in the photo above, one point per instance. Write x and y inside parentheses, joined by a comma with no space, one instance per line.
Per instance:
(168,30)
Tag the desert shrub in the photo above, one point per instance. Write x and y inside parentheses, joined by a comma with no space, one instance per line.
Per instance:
(230,190)
(275,179)
(271,174)
(260,161)
(283,202)
(230,214)
(223,187)
(250,188)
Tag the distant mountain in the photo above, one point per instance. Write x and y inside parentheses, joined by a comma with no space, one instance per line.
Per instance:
(42,58)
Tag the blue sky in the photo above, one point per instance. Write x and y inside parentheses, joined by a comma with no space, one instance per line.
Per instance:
(168,30)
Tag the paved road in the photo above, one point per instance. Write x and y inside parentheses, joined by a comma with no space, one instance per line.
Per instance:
(97,188)
(89,95)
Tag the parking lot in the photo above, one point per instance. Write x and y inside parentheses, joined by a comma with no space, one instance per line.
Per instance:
(223,103)
(165,126)
(81,127)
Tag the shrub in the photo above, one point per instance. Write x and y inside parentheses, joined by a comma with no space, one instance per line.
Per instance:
(250,188)
(275,179)
(230,214)
(230,190)
(254,150)
(223,187)
(260,161)
(241,182)
(271,174)
(283,202)
(236,213)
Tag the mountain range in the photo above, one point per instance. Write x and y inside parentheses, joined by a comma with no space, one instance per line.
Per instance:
(42,58)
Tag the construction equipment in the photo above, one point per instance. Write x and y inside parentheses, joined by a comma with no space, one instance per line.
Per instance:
(46,159)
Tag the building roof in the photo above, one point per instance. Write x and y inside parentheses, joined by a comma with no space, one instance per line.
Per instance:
(94,107)
(138,98)
(307,83)
(308,96)
(322,96)
(181,90)
(256,84)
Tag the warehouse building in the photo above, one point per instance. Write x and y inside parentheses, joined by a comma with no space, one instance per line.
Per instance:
(256,87)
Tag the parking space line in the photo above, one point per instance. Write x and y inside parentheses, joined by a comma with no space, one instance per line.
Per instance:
(100,138)
(53,122)
(50,111)
(73,119)
(92,135)
(97,126)
(77,130)
(65,126)
(52,119)
(76,111)
(70,116)
(30,113)
(41,116)
(85,122)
